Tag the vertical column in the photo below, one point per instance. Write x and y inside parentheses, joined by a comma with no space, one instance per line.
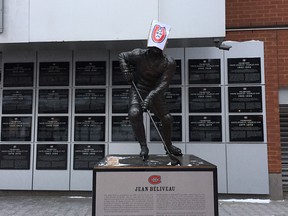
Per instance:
(17,120)
(53,117)
(247,160)
(89,115)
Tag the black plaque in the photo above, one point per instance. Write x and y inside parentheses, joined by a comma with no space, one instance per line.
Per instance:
(204,71)
(53,101)
(205,128)
(204,99)
(16,128)
(51,157)
(117,77)
(90,100)
(176,80)
(89,128)
(17,101)
(120,100)
(246,128)
(52,128)
(90,73)
(19,74)
(176,129)
(173,100)
(14,157)
(54,74)
(244,70)
(122,129)
(245,99)
(87,156)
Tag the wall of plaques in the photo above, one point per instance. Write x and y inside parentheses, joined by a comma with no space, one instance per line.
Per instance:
(226,114)
(64,110)
(18,72)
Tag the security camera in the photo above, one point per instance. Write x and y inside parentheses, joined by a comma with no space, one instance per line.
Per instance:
(220,45)
(224,47)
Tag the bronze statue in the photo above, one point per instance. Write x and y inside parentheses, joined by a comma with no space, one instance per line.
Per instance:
(152,75)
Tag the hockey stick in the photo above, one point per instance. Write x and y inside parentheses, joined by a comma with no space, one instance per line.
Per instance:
(175,160)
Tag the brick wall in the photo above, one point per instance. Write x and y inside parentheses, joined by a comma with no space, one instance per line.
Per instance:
(283,57)
(257,13)
(244,13)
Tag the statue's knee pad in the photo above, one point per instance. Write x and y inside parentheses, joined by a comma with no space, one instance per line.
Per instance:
(135,114)
(167,119)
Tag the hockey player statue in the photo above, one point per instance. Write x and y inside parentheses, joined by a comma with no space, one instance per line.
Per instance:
(149,80)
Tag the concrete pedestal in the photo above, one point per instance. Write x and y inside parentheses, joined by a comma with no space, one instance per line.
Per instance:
(126,185)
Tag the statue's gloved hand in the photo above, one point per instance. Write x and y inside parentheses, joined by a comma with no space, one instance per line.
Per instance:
(145,104)
(128,76)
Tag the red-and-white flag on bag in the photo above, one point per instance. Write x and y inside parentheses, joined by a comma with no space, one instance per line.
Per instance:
(158,35)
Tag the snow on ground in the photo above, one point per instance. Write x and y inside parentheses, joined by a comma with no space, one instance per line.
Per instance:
(261,201)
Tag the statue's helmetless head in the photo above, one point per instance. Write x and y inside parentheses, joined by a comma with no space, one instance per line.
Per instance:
(155,50)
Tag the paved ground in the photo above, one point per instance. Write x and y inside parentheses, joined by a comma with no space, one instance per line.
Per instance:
(45,204)
(253,208)
(80,204)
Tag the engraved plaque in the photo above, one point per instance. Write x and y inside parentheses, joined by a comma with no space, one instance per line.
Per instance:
(19,74)
(173,98)
(117,77)
(205,128)
(17,101)
(54,74)
(51,157)
(90,73)
(52,128)
(244,70)
(204,71)
(53,101)
(246,128)
(176,129)
(14,156)
(90,100)
(86,156)
(204,99)
(89,128)
(245,99)
(120,100)
(122,129)
(16,128)
(176,80)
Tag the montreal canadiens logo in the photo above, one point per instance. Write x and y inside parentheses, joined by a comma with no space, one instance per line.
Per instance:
(158,34)
(154,179)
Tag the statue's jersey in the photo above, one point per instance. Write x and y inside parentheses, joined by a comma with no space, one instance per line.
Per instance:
(153,71)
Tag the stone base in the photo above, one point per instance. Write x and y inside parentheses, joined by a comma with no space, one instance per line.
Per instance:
(127,185)
(275,186)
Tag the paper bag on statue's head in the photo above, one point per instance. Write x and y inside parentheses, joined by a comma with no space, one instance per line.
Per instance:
(158,35)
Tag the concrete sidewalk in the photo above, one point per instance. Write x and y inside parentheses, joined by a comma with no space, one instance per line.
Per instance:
(80,204)
(253,207)
(45,204)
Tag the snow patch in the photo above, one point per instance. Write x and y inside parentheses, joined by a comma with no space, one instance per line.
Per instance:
(261,201)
